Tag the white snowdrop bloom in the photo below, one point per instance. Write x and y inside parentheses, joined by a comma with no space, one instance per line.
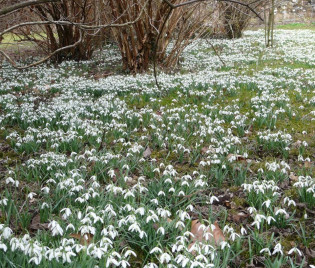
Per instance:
(12,181)
(66,213)
(161,230)
(243,231)
(3,202)
(111,173)
(180,225)
(265,250)
(113,261)
(234,235)
(269,219)
(165,258)
(278,248)
(55,228)
(129,252)
(224,244)
(156,249)
(281,211)
(70,226)
(3,247)
(213,198)
(6,232)
(128,194)
(151,265)
(140,211)
(251,210)
(37,259)
(267,203)
(295,250)
(45,190)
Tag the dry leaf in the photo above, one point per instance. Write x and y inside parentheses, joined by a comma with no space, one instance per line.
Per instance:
(86,239)
(307,164)
(147,152)
(204,233)
(239,217)
(292,177)
(36,225)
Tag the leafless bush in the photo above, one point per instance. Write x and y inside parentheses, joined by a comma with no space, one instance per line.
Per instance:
(235,17)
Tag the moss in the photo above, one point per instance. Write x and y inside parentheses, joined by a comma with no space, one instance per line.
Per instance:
(185,169)
(292,193)
(289,241)
(234,189)
(239,202)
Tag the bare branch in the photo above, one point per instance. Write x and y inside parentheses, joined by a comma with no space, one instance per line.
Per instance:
(196,1)
(12,8)
(42,60)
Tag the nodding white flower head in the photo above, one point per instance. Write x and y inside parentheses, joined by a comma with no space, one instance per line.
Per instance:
(243,231)
(277,249)
(55,228)
(165,258)
(3,247)
(265,250)
(213,198)
(156,249)
(295,250)
(267,203)
(6,232)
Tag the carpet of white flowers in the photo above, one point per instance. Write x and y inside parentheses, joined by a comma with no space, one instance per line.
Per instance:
(110,171)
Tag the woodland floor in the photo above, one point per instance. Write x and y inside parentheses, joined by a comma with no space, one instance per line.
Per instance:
(99,168)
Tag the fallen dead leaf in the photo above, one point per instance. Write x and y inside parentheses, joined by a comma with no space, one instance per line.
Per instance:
(147,152)
(307,164)
(205,233)
(310,252)
(86,239)
(239,217)
(292,177)
(36,225)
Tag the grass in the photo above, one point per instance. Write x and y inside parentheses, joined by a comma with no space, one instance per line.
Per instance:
(297,26)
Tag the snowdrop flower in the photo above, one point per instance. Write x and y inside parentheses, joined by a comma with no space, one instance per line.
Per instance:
(129,252)
(251,210)
(295,250)
(267,203)
(67,213)
(213,198)
(151,265)
(55,228)
(267,250)
(165,258)
(37,259)
(4,201)
(6,232)
(281,211)
(70,226)
(269,219)
(224,244)
(161,230)
(278,248)
(156,249)
(3,247)
(243,231)
(11,180)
